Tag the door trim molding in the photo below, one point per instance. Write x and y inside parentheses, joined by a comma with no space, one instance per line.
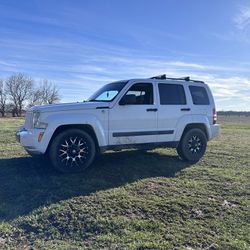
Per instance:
(142,133)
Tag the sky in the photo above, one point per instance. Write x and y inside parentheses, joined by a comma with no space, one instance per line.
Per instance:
(82,45)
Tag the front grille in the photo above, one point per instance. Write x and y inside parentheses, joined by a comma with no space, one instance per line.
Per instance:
(28,120)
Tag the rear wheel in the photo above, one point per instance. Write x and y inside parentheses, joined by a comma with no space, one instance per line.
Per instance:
(192,145)
(71,151)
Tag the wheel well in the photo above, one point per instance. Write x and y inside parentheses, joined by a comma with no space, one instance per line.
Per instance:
(201,126)
(87,128)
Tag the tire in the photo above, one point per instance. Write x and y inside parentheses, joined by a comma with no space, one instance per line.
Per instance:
(71,151)
(192,145)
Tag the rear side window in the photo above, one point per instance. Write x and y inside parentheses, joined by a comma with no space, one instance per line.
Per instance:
(171,94)
(199,95)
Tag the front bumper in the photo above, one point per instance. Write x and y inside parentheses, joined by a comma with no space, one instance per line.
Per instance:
(28,139)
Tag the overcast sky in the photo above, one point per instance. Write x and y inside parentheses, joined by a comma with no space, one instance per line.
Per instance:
(81,45)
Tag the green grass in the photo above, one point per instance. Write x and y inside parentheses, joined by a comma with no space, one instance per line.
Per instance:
(128,200)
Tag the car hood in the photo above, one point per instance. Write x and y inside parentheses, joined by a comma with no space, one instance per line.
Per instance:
(69,106)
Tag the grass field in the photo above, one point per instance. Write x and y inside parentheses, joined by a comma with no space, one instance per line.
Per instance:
(130,199)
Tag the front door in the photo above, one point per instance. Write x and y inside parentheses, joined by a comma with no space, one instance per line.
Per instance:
(133,119)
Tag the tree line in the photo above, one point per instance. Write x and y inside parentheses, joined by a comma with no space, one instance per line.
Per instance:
(20,91)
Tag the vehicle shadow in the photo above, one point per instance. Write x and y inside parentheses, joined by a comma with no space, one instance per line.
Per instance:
(27,183)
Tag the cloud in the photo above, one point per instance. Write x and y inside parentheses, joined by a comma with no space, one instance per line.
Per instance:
(242,20)
(187,65)
(230,92)
(204,67)
(80,68)
(5,63)
(241,28)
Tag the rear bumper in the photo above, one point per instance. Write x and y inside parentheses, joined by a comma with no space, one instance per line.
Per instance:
(215,131)
(28,139)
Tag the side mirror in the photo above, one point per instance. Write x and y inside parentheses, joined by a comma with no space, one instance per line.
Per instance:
(128,100)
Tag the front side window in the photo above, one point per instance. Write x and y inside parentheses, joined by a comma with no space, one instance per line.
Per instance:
(199,95)
(171,94)
(108,92)
(141,94)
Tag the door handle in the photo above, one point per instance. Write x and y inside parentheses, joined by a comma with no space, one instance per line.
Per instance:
(152,110)
(185,109)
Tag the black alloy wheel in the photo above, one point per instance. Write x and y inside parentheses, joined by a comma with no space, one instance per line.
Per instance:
(73,150)
(192,145)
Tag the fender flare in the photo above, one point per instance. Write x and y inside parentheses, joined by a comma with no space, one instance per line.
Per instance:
(196,120)
(56,121)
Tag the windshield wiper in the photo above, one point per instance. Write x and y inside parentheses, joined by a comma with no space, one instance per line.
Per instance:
(93,100)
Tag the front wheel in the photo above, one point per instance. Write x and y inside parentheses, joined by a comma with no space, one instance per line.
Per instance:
(192,145)
(72,150)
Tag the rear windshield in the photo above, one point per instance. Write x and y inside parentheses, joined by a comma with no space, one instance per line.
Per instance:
(199,95)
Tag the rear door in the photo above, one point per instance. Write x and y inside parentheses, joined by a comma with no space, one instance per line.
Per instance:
(171,108)
(135,122)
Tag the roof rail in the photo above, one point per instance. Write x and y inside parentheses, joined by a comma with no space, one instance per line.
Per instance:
(186,78)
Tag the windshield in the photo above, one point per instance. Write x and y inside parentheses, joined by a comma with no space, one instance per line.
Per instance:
(108,92)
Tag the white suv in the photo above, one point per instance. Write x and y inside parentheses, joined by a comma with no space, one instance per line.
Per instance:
(148,113)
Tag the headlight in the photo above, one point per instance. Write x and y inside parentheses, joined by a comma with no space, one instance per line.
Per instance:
(36,121)
(36,117)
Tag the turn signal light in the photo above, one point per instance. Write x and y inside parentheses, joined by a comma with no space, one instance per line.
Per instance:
(40,136)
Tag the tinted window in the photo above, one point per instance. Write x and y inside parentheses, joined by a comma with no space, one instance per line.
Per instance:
(172,94)
(142,92)
(199,95)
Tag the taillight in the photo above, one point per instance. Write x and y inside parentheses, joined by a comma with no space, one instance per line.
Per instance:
(214,116)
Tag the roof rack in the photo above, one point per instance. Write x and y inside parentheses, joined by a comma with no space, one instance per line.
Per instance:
(160,77)
(164,77)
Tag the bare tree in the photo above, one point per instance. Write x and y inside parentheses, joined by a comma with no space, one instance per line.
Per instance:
(19,87)
(11,108)
(3,98)
(36,97)
(46,93)
(49,93)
